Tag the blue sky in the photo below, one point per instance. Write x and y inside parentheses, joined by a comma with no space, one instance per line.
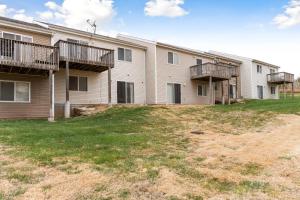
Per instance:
(262,29)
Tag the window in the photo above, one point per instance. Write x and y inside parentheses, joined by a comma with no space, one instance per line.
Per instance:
(125,92)
(272,71)
(202,90)
(273,90)
(14,36)
(14,91)
(125,54)
(173,58)
(259,69)
(77,83)
(199,61)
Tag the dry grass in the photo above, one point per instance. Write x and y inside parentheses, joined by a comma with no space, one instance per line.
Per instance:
(241,155)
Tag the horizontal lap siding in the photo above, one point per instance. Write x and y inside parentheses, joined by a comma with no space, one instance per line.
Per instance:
(39,105)
(37,37)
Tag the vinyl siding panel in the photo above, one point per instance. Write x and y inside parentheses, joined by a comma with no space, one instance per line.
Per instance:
(123,71)
(37,37)
(180,73)
(40,102)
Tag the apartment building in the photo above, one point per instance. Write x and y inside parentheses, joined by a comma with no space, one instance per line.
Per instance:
(46,70)
(177,75)
(27,62)
(259,80)
(101,70)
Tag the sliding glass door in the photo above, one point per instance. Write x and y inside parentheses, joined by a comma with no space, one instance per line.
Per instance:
(173,93)
(125,92)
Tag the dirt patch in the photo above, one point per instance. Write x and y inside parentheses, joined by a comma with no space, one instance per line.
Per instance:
(261,163)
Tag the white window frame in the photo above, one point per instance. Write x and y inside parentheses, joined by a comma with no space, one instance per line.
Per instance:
(174,53)
(272,71)
(203,86)
(260,69)
(274,90)
(22,35)
(15,91)
(125,54)
(78,76)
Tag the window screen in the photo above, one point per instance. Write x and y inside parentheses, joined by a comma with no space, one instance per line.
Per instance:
(121,54)
(128,55)
(22,91)
(7,91)
(83,84)
(73,83)
(170,58)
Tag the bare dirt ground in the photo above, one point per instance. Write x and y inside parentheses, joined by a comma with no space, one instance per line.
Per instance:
(267,158)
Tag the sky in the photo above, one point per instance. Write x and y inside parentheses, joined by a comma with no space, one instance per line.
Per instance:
(268,30)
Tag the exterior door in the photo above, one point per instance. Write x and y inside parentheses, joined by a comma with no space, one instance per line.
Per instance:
(125,92)
(173,93)
(233,91)
(260,92)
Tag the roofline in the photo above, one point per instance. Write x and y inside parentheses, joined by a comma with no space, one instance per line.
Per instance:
(264,63)
(226,58)
(28,27)
(245,58)
(137,38)
(95,36)
(182,49)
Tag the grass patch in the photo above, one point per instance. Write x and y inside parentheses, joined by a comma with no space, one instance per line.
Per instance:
(252,169)
(283,106)
(124,194)
(115,138)
(19,176)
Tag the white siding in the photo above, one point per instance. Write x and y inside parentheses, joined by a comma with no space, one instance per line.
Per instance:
(123,71)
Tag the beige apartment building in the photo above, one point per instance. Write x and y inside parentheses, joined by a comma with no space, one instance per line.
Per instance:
(177,75)
(46,70)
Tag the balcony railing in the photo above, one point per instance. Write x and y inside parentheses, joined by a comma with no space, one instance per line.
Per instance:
(217,71)
(28,55)
(280,78)
(85,54)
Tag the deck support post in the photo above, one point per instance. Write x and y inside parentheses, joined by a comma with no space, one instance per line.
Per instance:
(109,86)
(223,97)
(210,91)
(67,103)
(228,88)
(293,92)
(236,88)
(51,91)
(284,91)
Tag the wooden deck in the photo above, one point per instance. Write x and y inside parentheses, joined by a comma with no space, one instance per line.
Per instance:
(218,72)
(280,78)
(27,58)
(85,57)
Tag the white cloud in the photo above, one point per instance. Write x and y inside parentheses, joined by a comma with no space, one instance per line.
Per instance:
(3,9)
(15,14)
(167,8)
(76,13)
(290,17)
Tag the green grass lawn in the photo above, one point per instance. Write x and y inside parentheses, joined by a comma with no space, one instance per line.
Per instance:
(283,106)
(114,137)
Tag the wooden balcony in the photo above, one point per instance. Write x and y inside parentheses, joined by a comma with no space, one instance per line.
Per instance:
(280,78)
(85,57)
(218,72)
(27,58)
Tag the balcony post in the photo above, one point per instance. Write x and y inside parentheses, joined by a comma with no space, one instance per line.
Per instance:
(210,91)
(223,97)
(109,86)
(236,87)
(67,103)
(51,91)
(228,88)
(293,92)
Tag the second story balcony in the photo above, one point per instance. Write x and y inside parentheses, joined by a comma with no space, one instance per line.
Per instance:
(218,72)
(280,78)
(27,58)
(85,57)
